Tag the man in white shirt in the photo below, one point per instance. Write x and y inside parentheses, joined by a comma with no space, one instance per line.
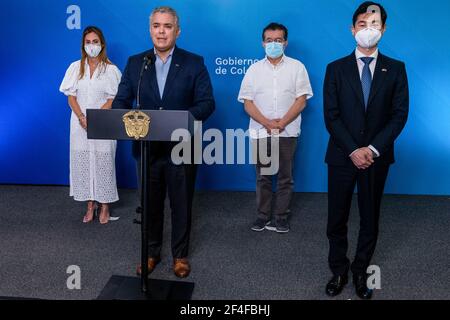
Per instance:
(274,92)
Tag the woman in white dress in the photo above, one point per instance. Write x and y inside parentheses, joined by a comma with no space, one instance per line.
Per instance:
(91,83)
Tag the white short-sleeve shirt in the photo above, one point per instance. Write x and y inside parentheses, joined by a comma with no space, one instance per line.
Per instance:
(274,89)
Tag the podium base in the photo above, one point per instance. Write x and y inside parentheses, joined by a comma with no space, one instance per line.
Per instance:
(129,288)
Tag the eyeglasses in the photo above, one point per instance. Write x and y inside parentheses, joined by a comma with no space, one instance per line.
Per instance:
(278,40)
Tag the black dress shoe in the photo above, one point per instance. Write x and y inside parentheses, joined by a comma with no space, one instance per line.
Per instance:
(336,285)
(362,291)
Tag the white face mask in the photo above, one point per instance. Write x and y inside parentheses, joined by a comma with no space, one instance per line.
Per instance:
(368,37)
(92,50)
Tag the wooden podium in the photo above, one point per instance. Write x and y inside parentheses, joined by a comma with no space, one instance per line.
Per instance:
(124,124)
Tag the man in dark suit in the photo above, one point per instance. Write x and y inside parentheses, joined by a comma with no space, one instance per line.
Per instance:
(366,105)
(175,80)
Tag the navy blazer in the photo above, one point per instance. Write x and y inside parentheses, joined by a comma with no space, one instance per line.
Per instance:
(188,86)
(349,124)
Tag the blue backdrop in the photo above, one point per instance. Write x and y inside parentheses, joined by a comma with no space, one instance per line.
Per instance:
(38,45)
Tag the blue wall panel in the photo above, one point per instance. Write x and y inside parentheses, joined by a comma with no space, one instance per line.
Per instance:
(37,48)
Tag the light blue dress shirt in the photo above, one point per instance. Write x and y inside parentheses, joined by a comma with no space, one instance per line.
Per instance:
(162,70)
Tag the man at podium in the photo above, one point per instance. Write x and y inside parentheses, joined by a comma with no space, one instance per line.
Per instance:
(173,79)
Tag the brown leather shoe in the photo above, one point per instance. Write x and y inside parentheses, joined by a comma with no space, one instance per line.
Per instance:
(181,267)
(151,263)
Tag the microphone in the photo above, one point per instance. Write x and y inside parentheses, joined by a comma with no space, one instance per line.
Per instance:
(149,59)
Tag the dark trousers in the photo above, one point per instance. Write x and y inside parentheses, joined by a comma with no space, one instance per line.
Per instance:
(341,184)
(179,182)
(285,180)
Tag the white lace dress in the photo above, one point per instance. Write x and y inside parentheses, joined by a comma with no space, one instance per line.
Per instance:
(92,162)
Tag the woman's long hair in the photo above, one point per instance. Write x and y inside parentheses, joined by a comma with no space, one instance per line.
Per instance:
(103,58)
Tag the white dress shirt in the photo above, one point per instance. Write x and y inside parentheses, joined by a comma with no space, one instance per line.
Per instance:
(274,89)
(372,66)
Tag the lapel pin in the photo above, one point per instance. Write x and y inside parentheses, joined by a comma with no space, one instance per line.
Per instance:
(384,70)
(177,65)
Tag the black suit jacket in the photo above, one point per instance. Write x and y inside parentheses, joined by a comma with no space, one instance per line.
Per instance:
(349,124)
(188,87)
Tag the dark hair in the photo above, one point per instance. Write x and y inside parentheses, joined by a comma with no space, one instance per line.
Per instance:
(275,26)
(363,9)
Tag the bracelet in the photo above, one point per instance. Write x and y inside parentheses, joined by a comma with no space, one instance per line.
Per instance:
(82,116)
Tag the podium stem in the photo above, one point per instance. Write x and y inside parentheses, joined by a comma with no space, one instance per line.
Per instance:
(144,217)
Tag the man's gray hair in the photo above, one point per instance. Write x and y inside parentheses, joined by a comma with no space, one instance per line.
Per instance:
(165,9)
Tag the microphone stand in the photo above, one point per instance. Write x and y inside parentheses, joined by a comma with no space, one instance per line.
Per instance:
(144,186)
